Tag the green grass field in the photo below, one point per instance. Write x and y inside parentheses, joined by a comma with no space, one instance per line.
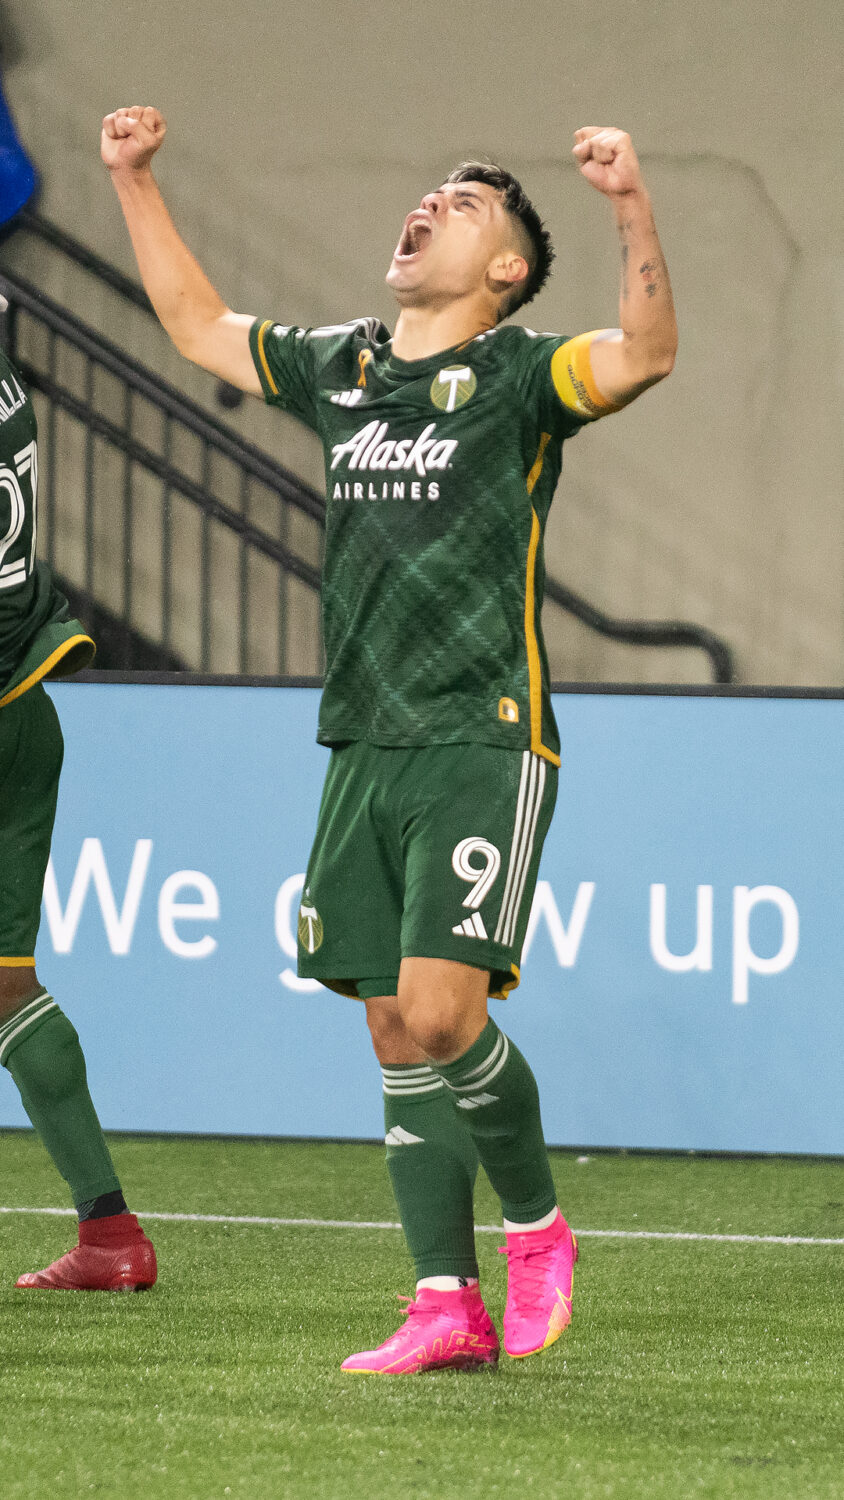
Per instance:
(692,1368)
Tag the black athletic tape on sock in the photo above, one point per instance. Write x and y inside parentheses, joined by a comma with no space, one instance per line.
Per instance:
(103,1207)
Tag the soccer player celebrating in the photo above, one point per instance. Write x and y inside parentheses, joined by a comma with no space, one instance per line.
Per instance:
(443,447)
(38,1045)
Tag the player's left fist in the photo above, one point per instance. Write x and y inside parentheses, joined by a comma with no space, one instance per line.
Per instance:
(607,159)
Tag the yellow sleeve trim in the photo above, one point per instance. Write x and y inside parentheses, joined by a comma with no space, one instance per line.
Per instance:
(17,963)
(262,331)
(45,668)
(535,472)
(571,372)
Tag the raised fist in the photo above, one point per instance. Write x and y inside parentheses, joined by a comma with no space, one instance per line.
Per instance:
(131,137)
(607,159)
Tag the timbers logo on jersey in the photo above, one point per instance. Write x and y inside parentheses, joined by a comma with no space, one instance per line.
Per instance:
(439,476)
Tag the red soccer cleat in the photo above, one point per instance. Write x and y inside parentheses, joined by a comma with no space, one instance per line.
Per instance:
(113,1255)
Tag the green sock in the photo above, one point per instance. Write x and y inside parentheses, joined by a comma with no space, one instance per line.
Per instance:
(41,1050)
(495,1092)
(432,1164)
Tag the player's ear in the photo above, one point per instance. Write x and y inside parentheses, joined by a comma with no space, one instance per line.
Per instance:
(505,271)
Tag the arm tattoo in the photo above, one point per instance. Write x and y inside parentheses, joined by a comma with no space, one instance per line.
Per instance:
(625,256)
(649,273)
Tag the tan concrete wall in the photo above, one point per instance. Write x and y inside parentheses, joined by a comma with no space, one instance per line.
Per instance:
(300,136)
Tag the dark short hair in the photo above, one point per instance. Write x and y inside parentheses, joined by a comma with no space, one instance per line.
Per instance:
(518,205)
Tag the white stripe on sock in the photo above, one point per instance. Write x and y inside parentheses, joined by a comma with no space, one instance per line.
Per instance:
(401,1072)
(20,1015)
(487,1062)
(10,1036)
(477,1080)
(486,1078)
(410,1090)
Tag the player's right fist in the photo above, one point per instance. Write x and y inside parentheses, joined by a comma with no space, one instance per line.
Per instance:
(131,137)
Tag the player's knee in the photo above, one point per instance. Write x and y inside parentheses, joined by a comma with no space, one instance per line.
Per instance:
(443,1006)
(436,1026)
(390,1040)
(17,985)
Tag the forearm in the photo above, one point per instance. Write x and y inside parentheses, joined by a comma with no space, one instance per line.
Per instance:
(184,300)
(646,306)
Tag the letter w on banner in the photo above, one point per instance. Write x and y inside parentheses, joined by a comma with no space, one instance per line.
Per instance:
(91,866)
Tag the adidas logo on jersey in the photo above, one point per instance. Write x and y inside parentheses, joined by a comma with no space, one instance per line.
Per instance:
(476,1101)
(373,449)
(347,398)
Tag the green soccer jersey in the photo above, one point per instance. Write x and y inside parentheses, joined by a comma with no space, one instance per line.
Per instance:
(38,636)
(440,473)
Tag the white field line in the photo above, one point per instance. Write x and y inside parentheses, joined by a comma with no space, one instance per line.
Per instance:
(585,1234)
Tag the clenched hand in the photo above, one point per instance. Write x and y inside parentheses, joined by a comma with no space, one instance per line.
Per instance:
(131,137)
(607,159)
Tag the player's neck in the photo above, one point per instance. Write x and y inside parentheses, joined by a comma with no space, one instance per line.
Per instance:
(422,332)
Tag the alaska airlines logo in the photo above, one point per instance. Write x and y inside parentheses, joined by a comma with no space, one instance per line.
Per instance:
(372,449)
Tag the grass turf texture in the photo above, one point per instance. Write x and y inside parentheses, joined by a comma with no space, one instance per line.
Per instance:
(691,1369)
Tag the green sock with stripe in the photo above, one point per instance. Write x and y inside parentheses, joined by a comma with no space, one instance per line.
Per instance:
(494,1091)
(432,1164)
(41,1050)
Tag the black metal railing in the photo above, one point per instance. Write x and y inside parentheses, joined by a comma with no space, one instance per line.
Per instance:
(646,632)
(72,249)
(129,290)
(266,619)
(216,555)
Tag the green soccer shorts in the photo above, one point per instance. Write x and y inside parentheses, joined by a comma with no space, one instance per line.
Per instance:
(429,852)
(31,751)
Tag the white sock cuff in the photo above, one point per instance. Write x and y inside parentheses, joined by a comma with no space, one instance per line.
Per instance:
(544,1223)
(14,1026)
(404,1082)
(446,1283)
(475,1080)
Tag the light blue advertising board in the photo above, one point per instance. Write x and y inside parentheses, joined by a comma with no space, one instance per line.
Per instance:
(683,979)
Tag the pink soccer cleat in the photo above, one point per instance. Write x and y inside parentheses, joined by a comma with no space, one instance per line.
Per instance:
(444,1330)
(540,1272)
(113,1255)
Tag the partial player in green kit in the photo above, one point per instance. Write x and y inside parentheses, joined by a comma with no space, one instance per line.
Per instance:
(38,1045)
(443,448)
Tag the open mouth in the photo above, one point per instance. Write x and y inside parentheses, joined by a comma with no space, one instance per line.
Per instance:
(416,237)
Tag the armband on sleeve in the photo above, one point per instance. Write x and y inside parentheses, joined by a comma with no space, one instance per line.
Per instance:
(571,372)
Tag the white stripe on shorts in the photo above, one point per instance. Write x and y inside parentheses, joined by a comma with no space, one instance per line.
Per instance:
(510,930)
(531,788)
